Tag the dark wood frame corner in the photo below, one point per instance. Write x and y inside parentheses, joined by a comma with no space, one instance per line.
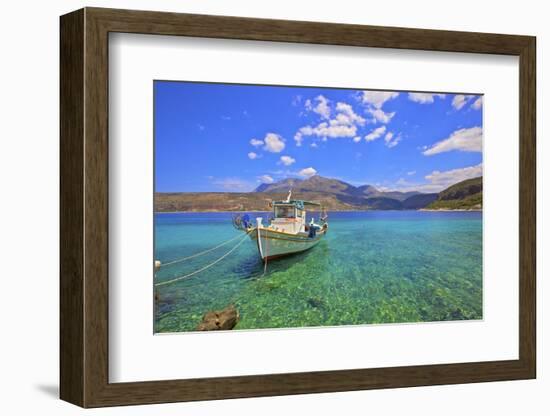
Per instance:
(84,207)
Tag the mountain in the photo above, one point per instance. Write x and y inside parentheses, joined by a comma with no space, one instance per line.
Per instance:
(372,192)
(318,183)
(367,190)
(333,194)
(314,184)
(419,201)
(467,195)
(281,186)
(383,203)
(400,196)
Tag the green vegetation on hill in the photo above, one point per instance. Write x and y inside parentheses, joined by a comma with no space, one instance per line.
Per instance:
(419,201)
(462,189)
(467,195)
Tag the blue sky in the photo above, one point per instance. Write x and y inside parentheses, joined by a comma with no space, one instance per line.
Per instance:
(231,138)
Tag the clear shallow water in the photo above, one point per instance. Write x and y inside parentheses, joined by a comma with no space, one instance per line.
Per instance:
(372,267)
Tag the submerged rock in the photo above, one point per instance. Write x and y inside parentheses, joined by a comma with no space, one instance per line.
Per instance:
(316,302)
(457,314)
(219,320)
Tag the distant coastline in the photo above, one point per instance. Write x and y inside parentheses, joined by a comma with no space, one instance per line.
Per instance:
(334,195)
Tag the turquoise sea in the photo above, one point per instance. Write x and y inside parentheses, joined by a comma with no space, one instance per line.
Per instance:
(372,267)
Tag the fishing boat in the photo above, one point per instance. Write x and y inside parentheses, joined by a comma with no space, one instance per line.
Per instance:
(288,231)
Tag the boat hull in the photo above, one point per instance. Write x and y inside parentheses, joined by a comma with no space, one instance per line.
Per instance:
(274,244)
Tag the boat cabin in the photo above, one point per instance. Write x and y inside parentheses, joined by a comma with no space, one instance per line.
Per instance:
(290,216)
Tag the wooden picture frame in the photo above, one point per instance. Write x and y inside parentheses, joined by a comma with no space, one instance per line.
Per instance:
(84,207)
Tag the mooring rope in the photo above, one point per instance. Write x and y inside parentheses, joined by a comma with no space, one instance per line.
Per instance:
(203,268)
(199,253)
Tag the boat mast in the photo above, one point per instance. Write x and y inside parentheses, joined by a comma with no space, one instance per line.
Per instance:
(289,195)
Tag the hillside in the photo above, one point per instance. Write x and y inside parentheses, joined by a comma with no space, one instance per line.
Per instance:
(419,201)
(314,184)
(466,195)
(332,186)
(232,201)
(333,194)
(259,201)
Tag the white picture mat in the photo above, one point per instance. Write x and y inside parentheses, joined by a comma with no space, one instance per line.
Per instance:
(135,354)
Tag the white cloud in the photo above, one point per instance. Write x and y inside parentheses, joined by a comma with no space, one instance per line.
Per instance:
(233,184)
(477,103)
(322,107)
(357,139)
(460,100)
(325,130)
(390,141)
(303,131)
(307,172)
(256,142)
(335,130)
(450,177)
(314,145)
(411,172)
(252,155)
(374,101)
(466,140)
(394,143)
(266,179)
(299,136)
(377,98)
(287,160)
(380,115)
(424,98)
(375,134)
(346,115)
(438,181)
(274,143)
(344,124)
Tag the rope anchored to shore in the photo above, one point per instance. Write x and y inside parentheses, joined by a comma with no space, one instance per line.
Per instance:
(199,253)
(205,267)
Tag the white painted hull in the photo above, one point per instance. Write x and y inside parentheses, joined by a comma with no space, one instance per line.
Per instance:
(273,244)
